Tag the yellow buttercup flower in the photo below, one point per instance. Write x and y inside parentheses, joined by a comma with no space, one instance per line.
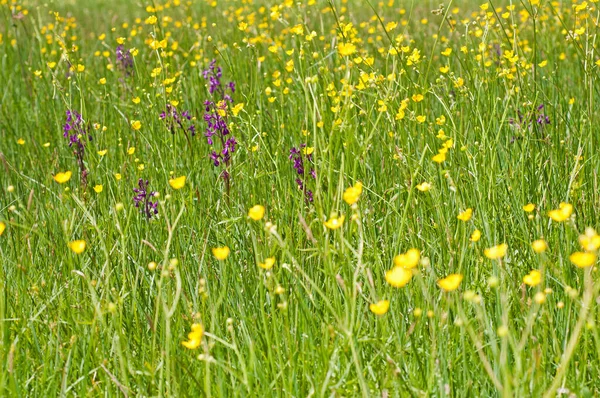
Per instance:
(408,260)
(496,252)
(352,194)
(221,253)
(136,124)
(590,241)
(583,259)
(77,246)
(398,276)
(475,236)
(2,228)
(194,337)
(177,183)
(563,212)
(424,187)
(268,264)
(380,308)
(450,283)
(529,207)
(346,49)
(256,212)
(98,188)
(335,222)
(539,246)
(61,178)
(465,215)
(534,278)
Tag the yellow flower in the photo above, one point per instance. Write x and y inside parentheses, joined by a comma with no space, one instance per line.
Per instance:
(346,49)
(583,259)
(439,158)
(529,207)
(102,80)
(103,152)
(475,236)
(563,212)
(78,246)
(334,223)
(380,308)
(424,186)
(533,278)
(220,253)
(398,276)
(177,183)
(2,228)
(61,178)
(496,252)
(268,264)
(98,188)
(465,215)
(136,124)
(352,194)
(451,282)
(539,246)
(590,241)
(194,337)
(256,212)
(408,260)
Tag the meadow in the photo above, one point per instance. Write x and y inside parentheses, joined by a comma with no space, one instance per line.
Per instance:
(338,198)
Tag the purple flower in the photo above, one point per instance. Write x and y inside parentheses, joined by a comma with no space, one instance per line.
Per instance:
(142,199)
(124,60)
(175,120)
(298,163)
(76,131)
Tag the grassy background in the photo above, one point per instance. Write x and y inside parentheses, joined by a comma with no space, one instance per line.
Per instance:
(102,323)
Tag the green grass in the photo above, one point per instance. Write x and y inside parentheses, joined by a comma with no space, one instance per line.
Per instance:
(104,323)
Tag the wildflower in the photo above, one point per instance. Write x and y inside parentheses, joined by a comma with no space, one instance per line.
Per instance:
(534,278)
(76,130)
(496,252)
(583,259)
(142,199)
(2,228)
(398,276)
(346,49)
(177,183)
(424,186)
(181,120)
(439,158)
(194,337)
(221,253)
(539,246)
(296,155)
(475,236)
(408,260)
(256,212)
(268,264)
(380,308)
(98,188)
(590,241)
(61,178)
(529,207)
(563,212)
(450,283)
(352,194)
(540,297)
(335,222)
(77,246)
(136,124)
(465,215)
(124,61)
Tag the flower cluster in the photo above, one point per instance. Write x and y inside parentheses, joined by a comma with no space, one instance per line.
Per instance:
(76,131)
(530,119)
(296,156)
(175,120)
(142,199)
(124,60)
(215,117)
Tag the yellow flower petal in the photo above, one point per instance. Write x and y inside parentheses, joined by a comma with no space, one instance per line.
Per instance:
(451,282)
(496,252)
(583,259)
(268,264)
(335,223)
(398,276)
(220,253)
(61,178)
(465,215)
(2,228)
(256,212)
(380,308)
(534,278)
(177,183)
(77,246)
(408,260)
